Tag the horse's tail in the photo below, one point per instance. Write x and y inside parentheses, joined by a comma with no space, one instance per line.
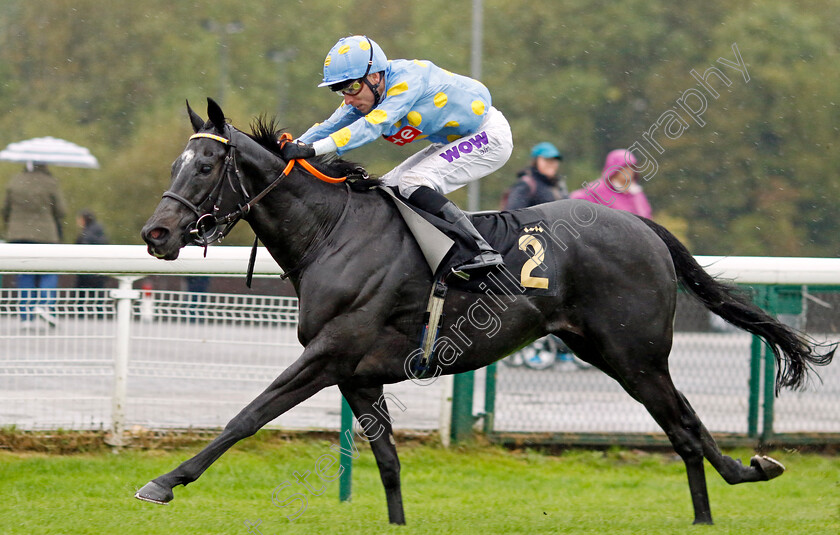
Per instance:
(795,355)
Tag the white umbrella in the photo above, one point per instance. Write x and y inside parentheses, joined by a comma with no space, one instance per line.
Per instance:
(49,150)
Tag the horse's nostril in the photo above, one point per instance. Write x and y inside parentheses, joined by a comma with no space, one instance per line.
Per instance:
(155,235)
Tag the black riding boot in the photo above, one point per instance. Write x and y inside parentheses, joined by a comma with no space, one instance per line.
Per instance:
(436,204)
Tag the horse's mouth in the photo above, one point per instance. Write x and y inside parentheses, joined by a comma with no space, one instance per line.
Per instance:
(163,255)
(163,240)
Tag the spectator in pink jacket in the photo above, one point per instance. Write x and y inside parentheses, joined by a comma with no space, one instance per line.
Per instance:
(618,186)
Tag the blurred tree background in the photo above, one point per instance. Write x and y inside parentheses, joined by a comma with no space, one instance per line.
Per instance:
(755,179)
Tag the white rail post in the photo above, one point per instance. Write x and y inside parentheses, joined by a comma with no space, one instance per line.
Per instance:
(123,296)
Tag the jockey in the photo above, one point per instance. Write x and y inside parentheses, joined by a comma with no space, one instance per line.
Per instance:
(405,101)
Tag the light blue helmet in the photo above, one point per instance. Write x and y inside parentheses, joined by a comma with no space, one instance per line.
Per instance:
(352,58)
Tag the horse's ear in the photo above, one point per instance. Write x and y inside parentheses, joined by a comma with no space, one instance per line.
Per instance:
(217,116)
(197,122)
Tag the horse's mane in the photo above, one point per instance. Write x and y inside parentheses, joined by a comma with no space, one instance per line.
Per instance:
(266,131)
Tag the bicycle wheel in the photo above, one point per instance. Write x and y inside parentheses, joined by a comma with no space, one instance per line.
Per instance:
(514,360)
(540,355)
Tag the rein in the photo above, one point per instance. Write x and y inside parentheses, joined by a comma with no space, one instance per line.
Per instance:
(284,138)
(202,232)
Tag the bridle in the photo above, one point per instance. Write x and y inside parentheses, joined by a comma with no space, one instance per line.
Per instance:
(211,225)
(207,228)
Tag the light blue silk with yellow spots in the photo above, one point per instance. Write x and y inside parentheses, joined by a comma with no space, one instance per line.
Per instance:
(421,101)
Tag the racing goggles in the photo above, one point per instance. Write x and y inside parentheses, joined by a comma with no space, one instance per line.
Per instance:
(350,89)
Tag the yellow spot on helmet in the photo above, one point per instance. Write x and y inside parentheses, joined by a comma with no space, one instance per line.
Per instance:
(364,45)
(376,116)
(421,63)
(414,118)
(452,124)
(342,137)
(441,99)
(452,138)
(327,61)
(477,107)
(401,87)
(343,49)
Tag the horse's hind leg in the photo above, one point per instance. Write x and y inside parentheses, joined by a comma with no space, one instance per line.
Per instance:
(369,406)
(660,397)
(651,384)
(761,468)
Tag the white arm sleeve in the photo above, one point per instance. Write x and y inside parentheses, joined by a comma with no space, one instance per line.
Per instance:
(324,146)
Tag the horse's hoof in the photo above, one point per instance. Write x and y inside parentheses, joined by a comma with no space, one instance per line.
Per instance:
(154,493)
(767,466)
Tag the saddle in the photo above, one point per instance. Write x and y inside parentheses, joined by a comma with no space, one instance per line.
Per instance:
(521,236)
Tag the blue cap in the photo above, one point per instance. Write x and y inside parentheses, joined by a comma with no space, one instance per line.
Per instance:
(545,150)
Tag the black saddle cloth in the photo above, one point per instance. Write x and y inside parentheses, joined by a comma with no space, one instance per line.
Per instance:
(520,236)
(523,239)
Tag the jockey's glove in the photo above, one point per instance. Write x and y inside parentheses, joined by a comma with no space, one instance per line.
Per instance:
(293,150)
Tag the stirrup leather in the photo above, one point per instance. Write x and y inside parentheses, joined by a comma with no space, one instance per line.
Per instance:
(434,312)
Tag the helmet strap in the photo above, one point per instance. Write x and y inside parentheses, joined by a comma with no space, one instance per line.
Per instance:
(373,89)
(376,96)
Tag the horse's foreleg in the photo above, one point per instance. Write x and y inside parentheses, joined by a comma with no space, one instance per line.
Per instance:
(297,383)
(369,406)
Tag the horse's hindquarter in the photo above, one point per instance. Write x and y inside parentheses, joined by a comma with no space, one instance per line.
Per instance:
(614,277)
(616,273)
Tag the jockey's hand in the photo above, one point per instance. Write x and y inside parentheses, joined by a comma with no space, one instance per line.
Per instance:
(292,150)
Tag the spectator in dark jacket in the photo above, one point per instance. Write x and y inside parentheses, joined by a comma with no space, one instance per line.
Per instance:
(34,207)
(91,233)
(33,211)
(539,183)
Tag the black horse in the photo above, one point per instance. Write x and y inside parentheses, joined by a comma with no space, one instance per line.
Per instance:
(363,285)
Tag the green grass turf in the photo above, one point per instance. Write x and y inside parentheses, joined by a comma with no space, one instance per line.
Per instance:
(476,489)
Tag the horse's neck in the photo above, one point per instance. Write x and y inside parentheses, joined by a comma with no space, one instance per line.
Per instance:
(296,214)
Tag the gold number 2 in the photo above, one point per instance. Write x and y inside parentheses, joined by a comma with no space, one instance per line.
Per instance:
(525,277)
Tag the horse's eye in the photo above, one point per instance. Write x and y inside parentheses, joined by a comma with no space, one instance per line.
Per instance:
(205,169)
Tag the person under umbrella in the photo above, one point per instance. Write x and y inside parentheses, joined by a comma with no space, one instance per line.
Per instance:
(33,211)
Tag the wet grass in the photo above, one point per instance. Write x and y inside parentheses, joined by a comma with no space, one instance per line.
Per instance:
(471,489)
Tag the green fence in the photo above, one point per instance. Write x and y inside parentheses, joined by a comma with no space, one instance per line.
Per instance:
(726,374)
